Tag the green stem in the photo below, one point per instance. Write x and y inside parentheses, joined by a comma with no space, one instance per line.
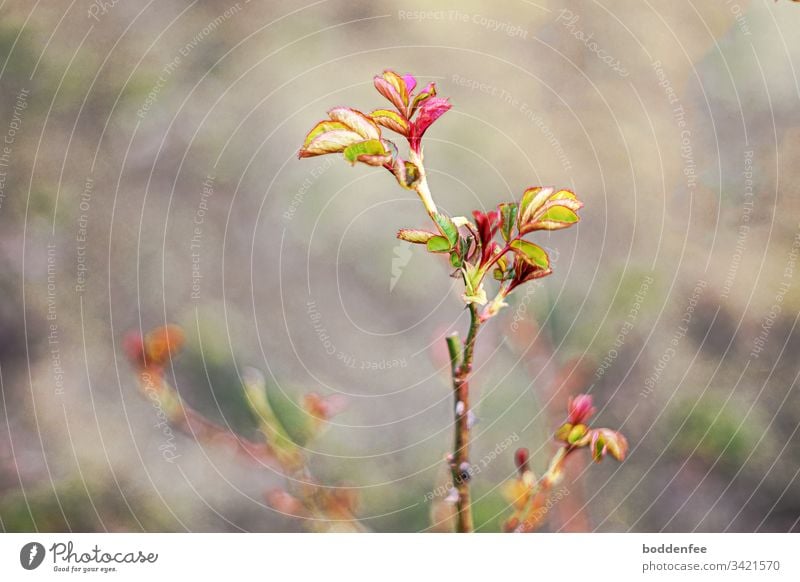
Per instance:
(454,347)
(460,467)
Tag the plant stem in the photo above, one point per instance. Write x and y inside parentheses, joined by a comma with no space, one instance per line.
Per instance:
(422,189)
(461,365)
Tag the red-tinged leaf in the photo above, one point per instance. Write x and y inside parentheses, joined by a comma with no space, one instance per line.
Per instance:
(428,92)
(330,142)
(429,111)
(392,87)
(323,127)
(606,441)
(391,120)
(564,195)
(531,253)
(553,218)
(377,161)
(438,244)
(356,121)
(532,200)
(410,82)
(542,209)
(487,224)
(415,236)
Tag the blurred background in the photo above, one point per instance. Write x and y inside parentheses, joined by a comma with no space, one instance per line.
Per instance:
(148,175)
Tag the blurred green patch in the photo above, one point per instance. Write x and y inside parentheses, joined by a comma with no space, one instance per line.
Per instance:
(716,430)
(488,511)
(99,505)
(209,381)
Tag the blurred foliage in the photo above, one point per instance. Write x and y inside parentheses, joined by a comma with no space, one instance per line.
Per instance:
(75,504)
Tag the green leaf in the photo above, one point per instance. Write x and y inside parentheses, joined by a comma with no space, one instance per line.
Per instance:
(554,215)
(555,218)
(533,254)
(371,147)
(508,213)
(438,244)
(447,227)
(564,195)
(559,214)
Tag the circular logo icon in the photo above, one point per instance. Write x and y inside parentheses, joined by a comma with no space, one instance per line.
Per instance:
(31,555)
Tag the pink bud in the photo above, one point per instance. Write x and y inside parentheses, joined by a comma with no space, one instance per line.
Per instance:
(521,457)
(580,409)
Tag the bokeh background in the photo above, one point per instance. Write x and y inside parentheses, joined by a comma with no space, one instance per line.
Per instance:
(126,126)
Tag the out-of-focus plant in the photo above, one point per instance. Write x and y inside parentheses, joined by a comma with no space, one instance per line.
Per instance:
(490,247)
(280,447)
(527,494)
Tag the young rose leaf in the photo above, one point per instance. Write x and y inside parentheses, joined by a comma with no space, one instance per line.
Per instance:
(356,121)
(329,142)
(411,83)
(531,253)
(553,218)
(606,441)
(474,292)
(390,120)
(541,209)
(459,254)
(323,127)
(394,88)
(460,221)
(415,236)
(532,200)
(455,259)
(508,215)
(426,93)
(371,152)
(564,195)
(499,272)
(447,227)
(438,244)
(429,111)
